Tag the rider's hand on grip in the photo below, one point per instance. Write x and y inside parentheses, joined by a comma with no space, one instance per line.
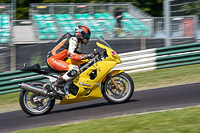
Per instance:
(87,56)
(90,56)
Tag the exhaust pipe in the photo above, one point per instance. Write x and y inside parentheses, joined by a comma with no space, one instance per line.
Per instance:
(34,89)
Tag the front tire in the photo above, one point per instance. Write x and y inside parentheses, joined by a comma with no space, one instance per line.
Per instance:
(34,104)
(123,93)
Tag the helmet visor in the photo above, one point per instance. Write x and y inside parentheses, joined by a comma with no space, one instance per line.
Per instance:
(85,41)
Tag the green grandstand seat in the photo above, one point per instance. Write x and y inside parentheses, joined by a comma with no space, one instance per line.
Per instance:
(136,31)
(52,36)
(127,26)
(96,15)
(83,16)
(48,36)
(52,30)
(47,17)
(42,36)
(50,24)
(4,18)
(96,31)
(41,24)
(45,30)
(110,25)
(135,21)
(62,23)
(4,23)
(126,15)
(42,17)
(102,16)
(4,34)
(87,22)
(48,30)
(4,40)
(4,30)
(108,16)
(67,29)
(38,17)
(145,31)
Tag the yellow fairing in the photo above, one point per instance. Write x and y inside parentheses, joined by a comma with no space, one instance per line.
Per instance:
(76,62)
(112,55)
(89,89)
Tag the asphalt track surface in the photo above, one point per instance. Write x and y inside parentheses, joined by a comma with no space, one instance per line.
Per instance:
(141,101)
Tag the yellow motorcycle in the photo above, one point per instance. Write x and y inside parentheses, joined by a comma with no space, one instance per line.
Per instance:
(96,78)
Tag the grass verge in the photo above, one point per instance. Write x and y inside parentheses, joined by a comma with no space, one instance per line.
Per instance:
(143,80)
(172,121)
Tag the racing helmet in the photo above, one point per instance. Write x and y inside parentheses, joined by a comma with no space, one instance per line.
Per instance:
(82,33)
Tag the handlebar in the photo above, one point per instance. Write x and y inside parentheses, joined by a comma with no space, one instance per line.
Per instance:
(89,63)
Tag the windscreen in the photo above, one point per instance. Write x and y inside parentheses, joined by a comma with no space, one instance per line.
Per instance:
(102,41)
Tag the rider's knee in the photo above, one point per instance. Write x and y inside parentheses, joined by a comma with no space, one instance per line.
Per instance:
(73,71)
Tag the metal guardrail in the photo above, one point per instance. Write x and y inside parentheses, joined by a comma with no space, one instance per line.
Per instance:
(9,80)
(159,58)
(143,60)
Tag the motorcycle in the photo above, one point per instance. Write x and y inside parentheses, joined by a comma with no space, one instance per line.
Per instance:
(96,79)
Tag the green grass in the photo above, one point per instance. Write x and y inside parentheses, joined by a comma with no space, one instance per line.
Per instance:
(166,77)
(9,102)
(143,80)
(172,121)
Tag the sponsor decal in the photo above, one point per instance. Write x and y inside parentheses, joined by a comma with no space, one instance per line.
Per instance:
(113,53)
(81,83)
(40,7)
(26,85)
(58,63)
(1,7)
(188,26)
(97,84)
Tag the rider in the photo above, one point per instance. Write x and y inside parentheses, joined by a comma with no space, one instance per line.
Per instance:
(67,47)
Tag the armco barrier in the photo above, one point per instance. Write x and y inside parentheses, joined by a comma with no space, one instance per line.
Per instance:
(143,60)
(160,58)
(178,55)
(9,80)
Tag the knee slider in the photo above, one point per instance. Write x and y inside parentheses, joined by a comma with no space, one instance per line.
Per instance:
(72,73)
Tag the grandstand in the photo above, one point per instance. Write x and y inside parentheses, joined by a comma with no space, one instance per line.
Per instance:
(5,16)
(52,20)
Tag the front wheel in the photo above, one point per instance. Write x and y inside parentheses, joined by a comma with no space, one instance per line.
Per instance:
(35,104)
(121,93)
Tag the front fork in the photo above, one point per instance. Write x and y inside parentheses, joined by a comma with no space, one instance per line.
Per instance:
(114,83)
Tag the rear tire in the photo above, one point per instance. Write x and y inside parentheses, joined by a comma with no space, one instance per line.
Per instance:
(125,91)
(33,104)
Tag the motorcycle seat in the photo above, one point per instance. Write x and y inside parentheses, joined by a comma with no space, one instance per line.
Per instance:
(36,68)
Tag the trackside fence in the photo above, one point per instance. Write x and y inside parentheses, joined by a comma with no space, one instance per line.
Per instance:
(9,80)
(159,58)
(143,60)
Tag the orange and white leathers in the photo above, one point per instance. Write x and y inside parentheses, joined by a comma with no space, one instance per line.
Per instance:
(65,48)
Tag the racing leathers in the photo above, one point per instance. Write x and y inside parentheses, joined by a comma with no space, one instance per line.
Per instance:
(66,47)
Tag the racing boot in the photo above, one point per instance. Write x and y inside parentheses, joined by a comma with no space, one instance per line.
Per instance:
(58,85)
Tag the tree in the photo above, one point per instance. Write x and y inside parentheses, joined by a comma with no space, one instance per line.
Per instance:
(153,7)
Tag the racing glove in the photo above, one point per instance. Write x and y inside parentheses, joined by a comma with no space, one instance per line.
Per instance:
(87,56)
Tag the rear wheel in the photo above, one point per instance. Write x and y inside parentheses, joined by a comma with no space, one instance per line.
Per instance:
(35,104)
(121,93)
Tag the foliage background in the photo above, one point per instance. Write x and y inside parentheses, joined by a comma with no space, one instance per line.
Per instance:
(153,7)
